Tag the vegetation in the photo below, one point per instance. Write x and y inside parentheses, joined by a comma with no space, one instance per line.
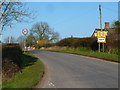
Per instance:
(12,52)
(32,72)
(20,40)
(13,12)
(11,60)
(113,37)
(40,35)
(86,52)
(116,25)
(43,32)
(90,43)
(89,46)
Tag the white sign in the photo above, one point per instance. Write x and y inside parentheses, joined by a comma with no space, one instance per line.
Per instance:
(101,40)
(95,34)
(24,31)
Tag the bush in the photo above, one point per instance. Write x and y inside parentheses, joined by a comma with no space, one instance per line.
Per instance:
(12,52)
(89,43)
(11,60)
(114,51)
(9,69)
(82,49)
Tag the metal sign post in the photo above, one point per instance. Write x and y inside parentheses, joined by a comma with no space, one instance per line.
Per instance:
(101,38)
(25,31)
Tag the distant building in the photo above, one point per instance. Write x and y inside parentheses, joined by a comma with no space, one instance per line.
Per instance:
(106,28)
(112,36)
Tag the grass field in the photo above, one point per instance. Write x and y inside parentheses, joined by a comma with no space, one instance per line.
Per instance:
(102,55)
(33,70)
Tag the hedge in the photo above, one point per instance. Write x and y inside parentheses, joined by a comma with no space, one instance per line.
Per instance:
(90,43)
(12,52)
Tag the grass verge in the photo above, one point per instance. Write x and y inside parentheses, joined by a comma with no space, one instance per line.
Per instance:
(96,54)
(33,70)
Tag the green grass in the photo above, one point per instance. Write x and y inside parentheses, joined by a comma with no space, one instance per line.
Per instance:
(102,55)
(33,70)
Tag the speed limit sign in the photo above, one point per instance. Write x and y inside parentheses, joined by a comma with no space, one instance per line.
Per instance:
(25,31)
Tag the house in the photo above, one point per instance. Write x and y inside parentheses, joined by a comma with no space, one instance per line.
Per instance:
(113,37)
(106,28)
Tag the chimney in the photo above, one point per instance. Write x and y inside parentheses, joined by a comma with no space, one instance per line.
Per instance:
(107,25)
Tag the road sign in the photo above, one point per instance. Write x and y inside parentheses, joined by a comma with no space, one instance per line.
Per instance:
(24,31)
(101,40)
(101,34)
(95,34)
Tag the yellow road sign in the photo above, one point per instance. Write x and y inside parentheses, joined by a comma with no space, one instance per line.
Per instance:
(101,34)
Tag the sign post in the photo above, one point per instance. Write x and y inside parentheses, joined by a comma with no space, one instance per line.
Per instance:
(101,38)
(25,31)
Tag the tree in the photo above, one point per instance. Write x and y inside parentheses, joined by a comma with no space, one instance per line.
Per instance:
(116,25)
(12,12)
(42,31)
(20,40)
(41,43)
(30,40)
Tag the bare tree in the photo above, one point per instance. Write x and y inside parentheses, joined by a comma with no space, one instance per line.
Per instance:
(20,40)
(30,40)
(43,31)
(12,12)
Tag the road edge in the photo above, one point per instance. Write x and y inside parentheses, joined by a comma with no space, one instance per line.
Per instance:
(107,60)
(42,80)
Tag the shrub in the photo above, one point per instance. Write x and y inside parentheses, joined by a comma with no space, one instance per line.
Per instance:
(11,60)
(9,69)
(114,51)
(89,43)
(12,52)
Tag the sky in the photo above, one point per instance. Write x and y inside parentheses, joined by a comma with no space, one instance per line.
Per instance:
(78,19)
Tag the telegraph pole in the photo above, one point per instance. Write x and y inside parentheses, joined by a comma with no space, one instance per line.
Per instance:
(1,21)
(100,9)
(10,37)
(100,24)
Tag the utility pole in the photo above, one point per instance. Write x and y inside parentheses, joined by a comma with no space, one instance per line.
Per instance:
(10,37)
(100,25)
(100,8)
(1,21)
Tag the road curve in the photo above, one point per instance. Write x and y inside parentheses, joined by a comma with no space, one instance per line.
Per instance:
(75,71)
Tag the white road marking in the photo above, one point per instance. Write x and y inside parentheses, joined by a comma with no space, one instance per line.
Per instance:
(51,85)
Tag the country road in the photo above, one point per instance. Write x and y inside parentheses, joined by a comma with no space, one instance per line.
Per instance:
(75,71)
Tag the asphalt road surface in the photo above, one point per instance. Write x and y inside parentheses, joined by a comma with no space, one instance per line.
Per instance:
(75,71)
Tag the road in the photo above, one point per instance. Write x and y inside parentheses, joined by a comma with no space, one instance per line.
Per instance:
(75,71)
